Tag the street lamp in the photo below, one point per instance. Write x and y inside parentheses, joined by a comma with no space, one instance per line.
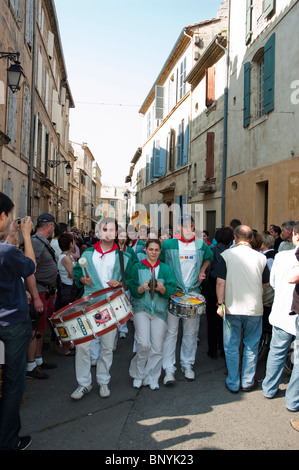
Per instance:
(55,163)
(15,71)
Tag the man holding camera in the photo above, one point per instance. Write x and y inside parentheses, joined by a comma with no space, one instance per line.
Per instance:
(42,288)
(15,324)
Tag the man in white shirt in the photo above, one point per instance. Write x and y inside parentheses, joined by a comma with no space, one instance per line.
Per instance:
(283,326)
(241,273)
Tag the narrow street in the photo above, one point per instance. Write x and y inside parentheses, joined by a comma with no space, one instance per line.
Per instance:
(190,416)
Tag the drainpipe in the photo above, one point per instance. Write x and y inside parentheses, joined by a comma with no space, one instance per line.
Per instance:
(225,120)
(32,125)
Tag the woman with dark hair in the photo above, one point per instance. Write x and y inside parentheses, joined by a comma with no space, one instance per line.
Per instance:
(67,291)
(151,283)
(133,240)
(224,238)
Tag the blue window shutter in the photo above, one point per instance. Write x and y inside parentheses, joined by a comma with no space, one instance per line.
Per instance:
(269,74)
(163,161)
(246,111)
(152,164)
(248,25)
(269,6)
(156,150)
(147,170)
(179,147)
(186,146)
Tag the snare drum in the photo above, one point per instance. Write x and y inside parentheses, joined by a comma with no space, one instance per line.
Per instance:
(187,305)
(92,316)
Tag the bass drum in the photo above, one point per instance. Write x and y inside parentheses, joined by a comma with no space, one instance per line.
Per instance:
(92,316)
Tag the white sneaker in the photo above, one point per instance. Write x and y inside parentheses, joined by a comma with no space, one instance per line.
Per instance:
(189,373)
(169,378)
(137,383)
(104,390)
(80,392)
(154,387)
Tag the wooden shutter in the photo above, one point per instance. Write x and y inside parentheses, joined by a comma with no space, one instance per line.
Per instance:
(186,146)
(248,33)
(210,86)
(269,74)
(269,6)
(156,171)
(147,170)
(159,103)
(163,161)
(26,122)
(180,145)
(246,111)
(210,155)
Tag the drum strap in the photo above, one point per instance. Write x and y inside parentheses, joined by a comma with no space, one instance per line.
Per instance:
(122,269)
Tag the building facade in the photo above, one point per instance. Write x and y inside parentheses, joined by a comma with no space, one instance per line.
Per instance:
(87,176)
(34,122)
(262,179)
(164,170)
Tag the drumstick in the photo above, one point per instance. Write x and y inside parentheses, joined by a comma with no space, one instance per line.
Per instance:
(83,263)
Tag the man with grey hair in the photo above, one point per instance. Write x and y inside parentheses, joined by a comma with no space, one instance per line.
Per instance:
(241,273)
(42,287)
(287,236)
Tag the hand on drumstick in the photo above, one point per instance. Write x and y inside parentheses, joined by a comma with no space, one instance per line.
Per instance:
(114,283)
(87,281)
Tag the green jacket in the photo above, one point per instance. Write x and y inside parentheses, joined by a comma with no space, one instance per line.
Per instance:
(171,256)
(140,273)
(97,284)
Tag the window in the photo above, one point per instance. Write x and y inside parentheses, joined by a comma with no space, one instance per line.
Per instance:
(259,83)
(248,32)
(210,155)
(149,124)
(159,104)
(260,87)
(269,7)
(26,122)
(183,144)
(171,150)
(12,117)
(183,72)
(210,86)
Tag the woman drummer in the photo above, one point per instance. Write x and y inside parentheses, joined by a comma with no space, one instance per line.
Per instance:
(151,283)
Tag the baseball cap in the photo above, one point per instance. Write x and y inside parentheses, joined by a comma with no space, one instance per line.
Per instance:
(46,217)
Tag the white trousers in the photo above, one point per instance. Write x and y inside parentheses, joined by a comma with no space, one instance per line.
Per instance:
(189,342)
(150,332)
(104,362)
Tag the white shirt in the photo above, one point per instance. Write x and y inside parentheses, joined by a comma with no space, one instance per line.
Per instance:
(283,296)
(188,261)
(104,265)
(64,275)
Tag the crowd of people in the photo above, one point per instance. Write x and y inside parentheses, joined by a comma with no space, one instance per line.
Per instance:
(247,280)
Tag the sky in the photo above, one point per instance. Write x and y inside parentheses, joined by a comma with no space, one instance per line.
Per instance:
(114,51)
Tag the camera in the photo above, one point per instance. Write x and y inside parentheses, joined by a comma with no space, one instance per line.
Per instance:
(19,220)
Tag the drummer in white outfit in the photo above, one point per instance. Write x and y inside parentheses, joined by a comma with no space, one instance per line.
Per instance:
(104,271)
(189,258)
